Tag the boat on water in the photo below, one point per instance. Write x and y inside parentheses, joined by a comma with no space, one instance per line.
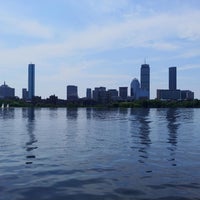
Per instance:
(3,106)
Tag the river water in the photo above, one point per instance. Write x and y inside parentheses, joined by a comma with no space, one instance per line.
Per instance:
(88,153)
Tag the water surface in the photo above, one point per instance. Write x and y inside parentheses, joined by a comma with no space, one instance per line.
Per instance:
(92,153)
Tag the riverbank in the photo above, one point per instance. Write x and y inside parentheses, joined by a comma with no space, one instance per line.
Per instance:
(132,104)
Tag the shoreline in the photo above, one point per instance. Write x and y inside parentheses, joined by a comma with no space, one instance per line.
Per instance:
(82,104)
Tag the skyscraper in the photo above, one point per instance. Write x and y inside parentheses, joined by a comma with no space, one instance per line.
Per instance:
(172,78)
(145,78)
(72,92)
(88,93)
(31,81)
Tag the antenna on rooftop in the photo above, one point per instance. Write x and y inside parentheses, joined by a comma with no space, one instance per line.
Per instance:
(145,60)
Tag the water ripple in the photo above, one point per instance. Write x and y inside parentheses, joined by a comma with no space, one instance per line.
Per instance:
(106,154)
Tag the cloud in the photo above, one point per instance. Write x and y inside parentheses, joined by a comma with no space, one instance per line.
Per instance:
(189,67)
(155,32)
(15,25)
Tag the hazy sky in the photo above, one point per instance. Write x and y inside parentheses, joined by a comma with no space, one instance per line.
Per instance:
(92,43)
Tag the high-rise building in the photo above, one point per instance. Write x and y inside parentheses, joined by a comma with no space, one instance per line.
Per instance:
(72,92)
(145,79)
(172,78)
(88,93)
(31,81)
(99,94)
(24,94)
(173,93)
(123,93)
(112,94)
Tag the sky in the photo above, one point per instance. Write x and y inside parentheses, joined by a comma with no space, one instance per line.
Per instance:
(93,43)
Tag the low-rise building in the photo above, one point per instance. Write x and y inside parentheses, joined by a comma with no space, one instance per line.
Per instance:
(168,94)
(187,95)
(6,91)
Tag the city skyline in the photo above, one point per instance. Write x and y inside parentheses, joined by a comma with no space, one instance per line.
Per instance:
(99,43)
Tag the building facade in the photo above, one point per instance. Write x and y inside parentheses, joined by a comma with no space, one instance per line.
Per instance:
(24,94)
(89,93)
(112,95)
(187,95)
(168,94)
(31,81)
(145,79)
(123,93)
(135,89)
(100,95)
(172,78)
(72,92)
(6,91)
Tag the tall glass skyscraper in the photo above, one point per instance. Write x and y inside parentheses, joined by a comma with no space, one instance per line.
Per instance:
(31,81)
(145,79)
(172,78)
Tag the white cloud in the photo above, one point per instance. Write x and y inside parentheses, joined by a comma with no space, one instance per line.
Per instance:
(189,67)
(14,25)
(153,32)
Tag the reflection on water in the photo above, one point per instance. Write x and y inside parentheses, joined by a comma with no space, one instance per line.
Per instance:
(172,117)
(31,144)
(141,130)
(99,154)
(123,112)
(89,113)
(72,113)
(173,125)
(7,113)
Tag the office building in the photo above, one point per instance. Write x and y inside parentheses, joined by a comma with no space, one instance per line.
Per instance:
(89,93)
(112,95)
(145,79)
(187,95)
(24,94)
(6,91)
(172,78)
(135,89)
(72,92)
(168,94)
(173,93)
(99,94)
(123,93)
(31,81)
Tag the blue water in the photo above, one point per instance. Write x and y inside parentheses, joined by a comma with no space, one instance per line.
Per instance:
(99,154)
